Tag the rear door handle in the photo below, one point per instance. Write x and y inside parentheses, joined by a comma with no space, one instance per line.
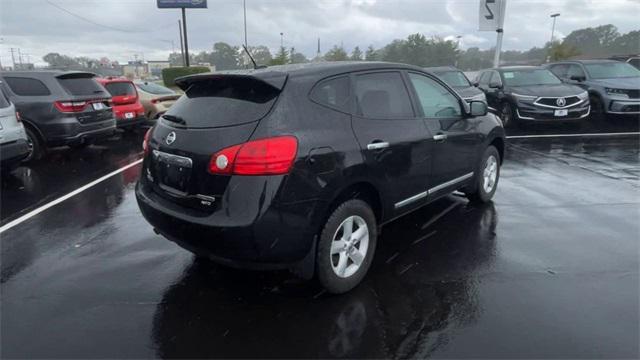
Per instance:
(440,137)
(377,145)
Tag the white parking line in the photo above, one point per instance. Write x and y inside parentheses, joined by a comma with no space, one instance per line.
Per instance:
(571,135)
(57,201)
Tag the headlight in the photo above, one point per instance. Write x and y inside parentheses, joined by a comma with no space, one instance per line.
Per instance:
(479,97)
(622,93)
(524,97)
(583,96)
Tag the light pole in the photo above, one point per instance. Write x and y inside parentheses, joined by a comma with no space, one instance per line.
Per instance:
(244,10)
(281,40)
(458,37)
(553,27)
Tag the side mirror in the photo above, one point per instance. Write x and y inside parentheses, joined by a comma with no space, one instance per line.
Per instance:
(476,84)
(578,78)
(478,108)
(495,85)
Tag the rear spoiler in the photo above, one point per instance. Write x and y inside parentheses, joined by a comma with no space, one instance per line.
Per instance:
(275,79)
(76,75)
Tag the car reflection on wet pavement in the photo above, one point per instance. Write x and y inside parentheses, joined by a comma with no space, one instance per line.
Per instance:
(550,269)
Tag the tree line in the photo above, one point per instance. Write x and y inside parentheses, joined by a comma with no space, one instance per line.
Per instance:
(416,49)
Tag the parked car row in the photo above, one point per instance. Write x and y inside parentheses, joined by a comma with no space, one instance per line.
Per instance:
(567,91)
(42,109)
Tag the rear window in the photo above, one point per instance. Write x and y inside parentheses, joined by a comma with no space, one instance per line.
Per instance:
(4,102)
(333,93)
(120,88)
(82,86)
(27,86)
(155,89)
(224,102)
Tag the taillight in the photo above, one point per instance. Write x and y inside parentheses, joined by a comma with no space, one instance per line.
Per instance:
(70,106)
(271,156)
(18,118)
(145,142)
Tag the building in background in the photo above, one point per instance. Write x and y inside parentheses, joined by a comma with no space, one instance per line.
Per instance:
(135,70)
(155,67)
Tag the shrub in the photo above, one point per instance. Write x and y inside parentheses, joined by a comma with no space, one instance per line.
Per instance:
(169,75)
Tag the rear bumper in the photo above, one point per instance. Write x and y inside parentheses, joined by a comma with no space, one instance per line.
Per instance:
(254,233)
(13,151)
(140,120)
(73,132)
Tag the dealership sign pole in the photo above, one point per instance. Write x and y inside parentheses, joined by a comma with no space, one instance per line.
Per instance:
(183,4)
(492,19)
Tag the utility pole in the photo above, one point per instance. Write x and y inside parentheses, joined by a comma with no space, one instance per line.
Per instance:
(20,57)
(181,44)
(553,27)
(458,47)
(500,32)
(244,8)
(281,40)
(13,59)
(186,42)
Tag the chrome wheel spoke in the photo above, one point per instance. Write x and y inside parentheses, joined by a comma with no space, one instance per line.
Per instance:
(359,234)
(347,228)
(337,246)
(356,256)
(342,264)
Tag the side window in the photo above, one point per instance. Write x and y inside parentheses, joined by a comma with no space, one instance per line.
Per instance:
(436,100)
(27,86)
(574,70)
(382,96)
(484,78)
(559,70)
(495,78)
(333,93)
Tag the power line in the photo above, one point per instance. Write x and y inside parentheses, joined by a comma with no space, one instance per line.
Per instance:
(98,24)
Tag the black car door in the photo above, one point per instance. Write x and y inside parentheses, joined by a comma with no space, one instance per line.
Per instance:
(455,137)
(494,90)
(394,142)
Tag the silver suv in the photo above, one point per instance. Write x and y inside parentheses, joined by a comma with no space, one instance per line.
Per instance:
(13,139)
(613,86)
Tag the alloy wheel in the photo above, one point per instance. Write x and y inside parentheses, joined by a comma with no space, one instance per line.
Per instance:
(505,114)
(489,174)
(349,246)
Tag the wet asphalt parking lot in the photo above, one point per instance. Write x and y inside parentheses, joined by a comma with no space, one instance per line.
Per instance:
(549,269)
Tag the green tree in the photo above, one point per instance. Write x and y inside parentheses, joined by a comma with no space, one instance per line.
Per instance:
(371,54)
(628,43)
(336,53)
(225,56)
(356,54)
(561,51)
(59,61)
(281,58)
(261,54)
(296,57)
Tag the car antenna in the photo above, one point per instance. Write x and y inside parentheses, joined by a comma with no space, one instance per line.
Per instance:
(255,66)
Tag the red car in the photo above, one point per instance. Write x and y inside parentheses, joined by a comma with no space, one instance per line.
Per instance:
(126,104)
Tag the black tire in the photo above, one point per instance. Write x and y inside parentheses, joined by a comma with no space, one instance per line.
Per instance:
(508,115)
(479,194)
(325,260)
(36,146)
(597,108)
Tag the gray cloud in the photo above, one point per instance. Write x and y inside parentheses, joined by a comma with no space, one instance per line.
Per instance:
(121,28)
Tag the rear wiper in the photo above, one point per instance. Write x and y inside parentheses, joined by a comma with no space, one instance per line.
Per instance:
(175,119)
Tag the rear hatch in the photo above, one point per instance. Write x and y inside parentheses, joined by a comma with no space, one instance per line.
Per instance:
(84,97)
(123,96)
(216,112)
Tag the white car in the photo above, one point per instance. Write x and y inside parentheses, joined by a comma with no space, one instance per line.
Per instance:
(14,146)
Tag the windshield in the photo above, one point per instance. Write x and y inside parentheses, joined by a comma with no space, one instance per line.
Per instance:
(610,70)
(153,88)
(120,88)
(454,78)
(530,77)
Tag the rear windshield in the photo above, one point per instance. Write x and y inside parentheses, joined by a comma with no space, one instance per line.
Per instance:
(82,86)
(155,89)
(454,78)
(120,88)
(224,102)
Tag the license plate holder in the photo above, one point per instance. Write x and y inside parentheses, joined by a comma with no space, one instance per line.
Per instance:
(98,106)
(563,112)
(129,115)
(172,171)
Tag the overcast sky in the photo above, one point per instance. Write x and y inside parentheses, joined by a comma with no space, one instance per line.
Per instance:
(119,29)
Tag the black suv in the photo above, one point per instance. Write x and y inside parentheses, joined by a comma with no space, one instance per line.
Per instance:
(532,94)
(59,108)
(459,82)
(298,166)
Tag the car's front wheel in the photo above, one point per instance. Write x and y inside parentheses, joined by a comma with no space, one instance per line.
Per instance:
(507,114)
(36,147)
(486,177)
(346,246)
